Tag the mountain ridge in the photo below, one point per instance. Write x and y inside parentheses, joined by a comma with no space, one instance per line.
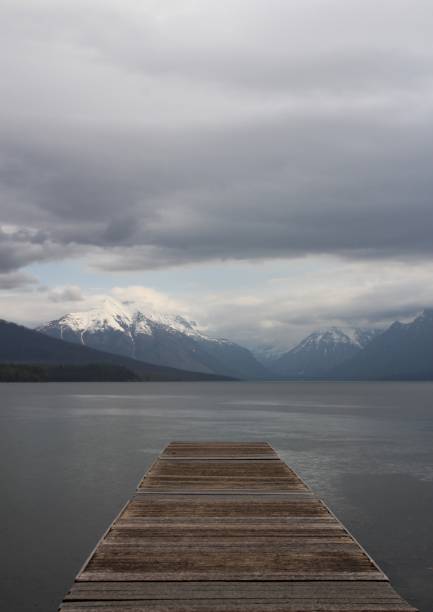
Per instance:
(403,351)
(20,345)
(321,351)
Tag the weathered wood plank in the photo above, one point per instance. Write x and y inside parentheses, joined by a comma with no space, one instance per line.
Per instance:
(221,451)
(209,447)
(232,485)
(252,562)
(217,468)
(211,506)
(102,576)
(235,606)
(227,529)
(220,455)
(337,590)
(217,450)
(198,522)
(204,446)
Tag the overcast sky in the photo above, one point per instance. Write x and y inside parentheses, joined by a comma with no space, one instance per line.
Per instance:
(264,167)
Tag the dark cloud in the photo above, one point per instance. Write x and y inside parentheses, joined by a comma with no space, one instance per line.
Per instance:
(153,137)
(20,247)
(16,280)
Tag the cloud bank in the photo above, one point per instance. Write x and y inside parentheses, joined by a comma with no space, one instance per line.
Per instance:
(278,312)
(150,135)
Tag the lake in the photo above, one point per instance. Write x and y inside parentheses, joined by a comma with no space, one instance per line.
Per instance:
(72,454)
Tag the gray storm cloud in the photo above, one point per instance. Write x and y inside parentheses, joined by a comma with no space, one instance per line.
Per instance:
(157,134)
(13,280)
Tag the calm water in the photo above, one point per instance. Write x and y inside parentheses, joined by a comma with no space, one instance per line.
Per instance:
(71,455)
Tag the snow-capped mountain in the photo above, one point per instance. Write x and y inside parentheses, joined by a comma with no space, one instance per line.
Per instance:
(403,352)
(164,339)
(36,356)
(322,351)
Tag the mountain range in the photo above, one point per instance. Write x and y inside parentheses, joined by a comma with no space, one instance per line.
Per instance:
(171,340)
(404,351)
(151,345)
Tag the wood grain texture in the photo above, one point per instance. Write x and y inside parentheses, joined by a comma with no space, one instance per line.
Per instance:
(223,468)
(214,450)
(341,590)
(228,527)
(209,484)
(237,605)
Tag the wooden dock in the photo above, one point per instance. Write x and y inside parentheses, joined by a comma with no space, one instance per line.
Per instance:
(228,527)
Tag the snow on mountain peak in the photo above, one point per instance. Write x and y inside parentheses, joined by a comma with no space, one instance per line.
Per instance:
(128,317)
(110,314)
(332,336)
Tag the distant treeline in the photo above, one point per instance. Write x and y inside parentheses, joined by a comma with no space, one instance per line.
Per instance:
(93,372)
